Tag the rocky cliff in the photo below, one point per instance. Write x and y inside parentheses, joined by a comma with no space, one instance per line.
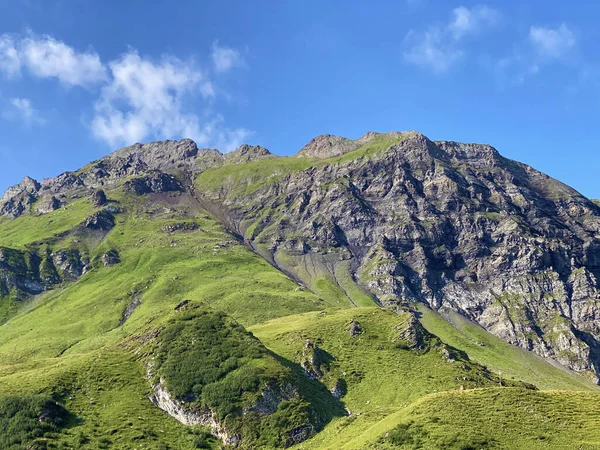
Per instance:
(445,223)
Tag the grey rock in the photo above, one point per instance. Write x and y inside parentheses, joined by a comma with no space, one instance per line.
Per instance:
(17,205)
(155,183)
(98,198)
(185,415)
(47,204)
(69,264)
(18,199)
(27,273)
(413,334)
(354,328)
(28,185)
(270,398)
(339,389)
(101,221)
(111,258)
(326,146)
(247,153)
(311,360)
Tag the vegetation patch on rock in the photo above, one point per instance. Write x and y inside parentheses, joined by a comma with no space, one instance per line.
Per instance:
(215,369)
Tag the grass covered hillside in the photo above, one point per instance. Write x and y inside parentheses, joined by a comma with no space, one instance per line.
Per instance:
(145,308)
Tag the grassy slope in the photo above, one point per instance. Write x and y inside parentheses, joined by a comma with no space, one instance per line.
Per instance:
(493,419)
(398,387)
(30,228)
(70,336)
(487,349)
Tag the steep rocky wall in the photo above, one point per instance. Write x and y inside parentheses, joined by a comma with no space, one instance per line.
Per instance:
(447,224)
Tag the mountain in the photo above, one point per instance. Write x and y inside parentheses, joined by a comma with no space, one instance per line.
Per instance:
(368,293)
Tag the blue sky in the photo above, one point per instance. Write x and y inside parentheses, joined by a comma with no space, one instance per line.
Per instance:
(81,78)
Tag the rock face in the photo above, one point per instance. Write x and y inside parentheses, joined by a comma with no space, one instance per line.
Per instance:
(17,199)
(47,205)
(18,272)
(25,273)
(447,224)
(326,146)
(183,414)
(27,185)
(156,182)
(110,258)
(98,198)
(102,221)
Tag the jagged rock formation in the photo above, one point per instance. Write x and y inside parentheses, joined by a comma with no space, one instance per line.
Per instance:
(205,417)
(98,198)
(24,273)
(156,182)
(18,198)
(247,153)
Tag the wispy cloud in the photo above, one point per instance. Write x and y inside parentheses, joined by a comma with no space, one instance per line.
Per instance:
(430,50)
(138,98)
(226,58)
(145,99)
(552,43)
(10,62)
(47,57)
(471,21)
(543,46)
(442,46)
(22,109)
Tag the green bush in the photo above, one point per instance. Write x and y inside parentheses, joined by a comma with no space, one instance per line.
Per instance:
(206,357)
(25,419)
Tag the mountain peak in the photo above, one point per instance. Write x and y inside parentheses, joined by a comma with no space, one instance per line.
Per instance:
(158,150)
(247,153)
(326,146)
(27,184)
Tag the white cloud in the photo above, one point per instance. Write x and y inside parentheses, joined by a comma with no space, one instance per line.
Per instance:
(431,51)
(22,109)
(225,58)
(46,57)
(10,62)
(469,21)
(146,99)
(542,47)
(139,98)
(441,47)
(552,43)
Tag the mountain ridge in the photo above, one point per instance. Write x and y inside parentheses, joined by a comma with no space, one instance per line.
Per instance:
(357,235)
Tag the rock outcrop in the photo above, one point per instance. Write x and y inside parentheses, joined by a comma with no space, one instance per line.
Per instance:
(156,182)
(26,273)
(98,198)
(18,198)
(247,153)
(187,416)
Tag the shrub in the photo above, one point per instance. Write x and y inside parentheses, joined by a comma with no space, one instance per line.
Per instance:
(28,418)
